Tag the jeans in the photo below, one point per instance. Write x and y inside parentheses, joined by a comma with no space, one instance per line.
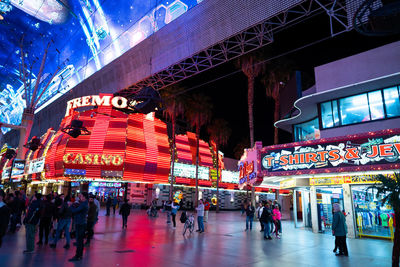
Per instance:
(114,206)
(168,216)
(80,235)
(63,225)
(200,222)
(249,219)
(173,219)
(108,210)
(262,226)
(30,231)
(124,220)
(277,227)
(267,229)
(44,226)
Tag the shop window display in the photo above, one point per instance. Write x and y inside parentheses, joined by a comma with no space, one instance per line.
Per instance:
(373,217)
(326,197)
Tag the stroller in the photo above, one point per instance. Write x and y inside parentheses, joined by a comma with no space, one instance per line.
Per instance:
(152,211)
(188,221)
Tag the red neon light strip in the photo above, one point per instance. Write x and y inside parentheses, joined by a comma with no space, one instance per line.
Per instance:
(150,168)
(97,138)
(135,149)
(164,157)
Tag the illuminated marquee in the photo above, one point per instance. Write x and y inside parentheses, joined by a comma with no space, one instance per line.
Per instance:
(96,100)
(381,150)
(92,159)
(246,172)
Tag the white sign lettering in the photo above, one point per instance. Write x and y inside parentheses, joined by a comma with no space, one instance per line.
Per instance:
(96,100)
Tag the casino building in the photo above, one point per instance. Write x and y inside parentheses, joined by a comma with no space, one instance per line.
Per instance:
(346,131)
(112,152)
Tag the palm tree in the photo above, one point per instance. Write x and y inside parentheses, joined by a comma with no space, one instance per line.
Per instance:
(173,107)
(198,110)
(390,188)
(277,75)
(219,132)
(251,68)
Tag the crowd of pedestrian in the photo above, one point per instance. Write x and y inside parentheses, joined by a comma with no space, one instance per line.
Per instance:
(54,215)
(269,215)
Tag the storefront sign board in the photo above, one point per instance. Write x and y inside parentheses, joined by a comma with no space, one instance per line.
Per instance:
(351,153)
(36,166)
(339,180)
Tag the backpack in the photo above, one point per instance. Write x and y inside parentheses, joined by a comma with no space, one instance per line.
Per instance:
(183,217)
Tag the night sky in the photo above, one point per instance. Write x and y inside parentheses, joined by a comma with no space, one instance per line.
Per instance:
(229,94)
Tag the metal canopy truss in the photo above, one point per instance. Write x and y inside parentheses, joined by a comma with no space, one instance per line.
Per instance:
(340,14)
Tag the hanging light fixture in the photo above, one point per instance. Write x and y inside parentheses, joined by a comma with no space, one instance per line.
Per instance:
(75,129)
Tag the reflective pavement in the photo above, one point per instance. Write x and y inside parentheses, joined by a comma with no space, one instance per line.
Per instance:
(150,242)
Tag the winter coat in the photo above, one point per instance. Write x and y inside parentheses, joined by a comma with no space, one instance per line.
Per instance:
(92,212)
(276,214)
(33,214)
(339,227)
(80,212)
(47,209)
(65,211)
(250,211)
(266,215)
(125,209)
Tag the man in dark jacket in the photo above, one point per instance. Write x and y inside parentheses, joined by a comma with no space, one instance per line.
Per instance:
(17,206)
(249,216)
(266,218)
(47,214)
(64,222)
(108,205)
(80,212)
(31,220)
(4,216)
(125,210)
(91,220)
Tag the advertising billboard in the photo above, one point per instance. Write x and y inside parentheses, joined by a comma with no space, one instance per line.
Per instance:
(85,36)
(18,169)
(36,166)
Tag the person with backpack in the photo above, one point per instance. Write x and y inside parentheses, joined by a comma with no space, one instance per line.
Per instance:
(174,210)
(266,218)
(64,223)
(249,216)
(31,220)
(4,216)
(125,211)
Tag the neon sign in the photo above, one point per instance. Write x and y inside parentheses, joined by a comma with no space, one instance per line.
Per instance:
(92,159)
(97,100)
(339,154)
(246,172)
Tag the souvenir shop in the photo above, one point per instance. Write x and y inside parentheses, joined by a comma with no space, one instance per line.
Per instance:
(335,170)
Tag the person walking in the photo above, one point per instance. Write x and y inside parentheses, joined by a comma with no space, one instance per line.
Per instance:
(276,216)
(174,209)
(259,211)
(114,204)
(80,212)
(206,209)
(47,213)
(200,215)
(64,222)
(266,218)
(4,216)
(31,220)
(339,230)
(249,216)
(91,220)
(168,209)
(125,210)
(108,205)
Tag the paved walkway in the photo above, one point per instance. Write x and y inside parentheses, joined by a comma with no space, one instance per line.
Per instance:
(150,242)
